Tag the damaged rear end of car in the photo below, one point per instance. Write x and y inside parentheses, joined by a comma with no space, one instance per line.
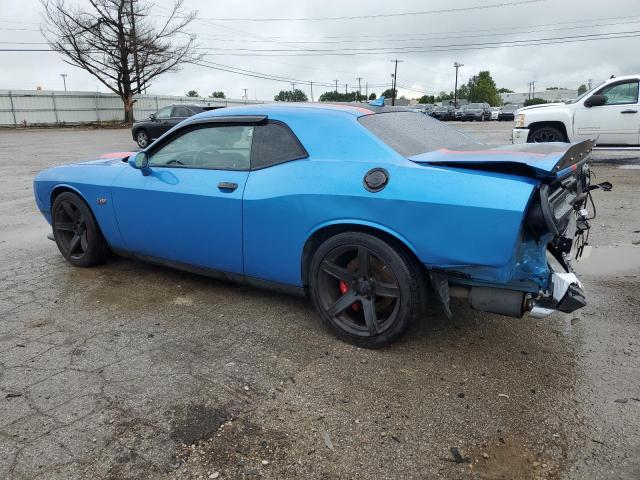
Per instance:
(538,278)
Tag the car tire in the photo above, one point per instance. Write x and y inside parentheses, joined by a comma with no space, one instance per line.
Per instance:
(368,306)
(142,138)
(546,134)
(76,231)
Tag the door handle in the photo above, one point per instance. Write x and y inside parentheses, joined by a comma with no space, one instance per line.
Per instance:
(230,186)
(629,111)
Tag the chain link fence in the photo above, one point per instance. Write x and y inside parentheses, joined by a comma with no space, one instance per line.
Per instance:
(42,107)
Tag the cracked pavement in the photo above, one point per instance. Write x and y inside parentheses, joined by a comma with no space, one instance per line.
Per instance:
(133,371)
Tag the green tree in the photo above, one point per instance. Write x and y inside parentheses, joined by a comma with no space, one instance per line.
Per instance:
(534,101)
(482,88)
(296,95)
(192,93)
(372,96)
(388,93)
(219,94)
(444,96)
(505,90)
(581,89)
(334,96)
(426,99)
(552,88)
(463,91)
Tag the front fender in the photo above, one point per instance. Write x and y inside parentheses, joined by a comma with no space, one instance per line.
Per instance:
(92,183)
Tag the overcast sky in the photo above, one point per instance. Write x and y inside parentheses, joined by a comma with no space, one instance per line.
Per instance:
(563,64)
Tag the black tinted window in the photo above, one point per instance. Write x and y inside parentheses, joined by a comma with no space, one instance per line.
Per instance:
(274,143)
(181,112)
(410,133)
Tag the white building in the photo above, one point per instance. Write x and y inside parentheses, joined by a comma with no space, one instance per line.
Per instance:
(560,95)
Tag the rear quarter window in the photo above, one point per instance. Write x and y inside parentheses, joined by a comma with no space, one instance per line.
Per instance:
(410,133)
(274,143)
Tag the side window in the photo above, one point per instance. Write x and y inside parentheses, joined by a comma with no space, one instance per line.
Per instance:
(275,143)
(621,93)
(164,112)
(210,147)
(181,112)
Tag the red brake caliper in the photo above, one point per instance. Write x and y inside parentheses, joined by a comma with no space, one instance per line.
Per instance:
(344,288)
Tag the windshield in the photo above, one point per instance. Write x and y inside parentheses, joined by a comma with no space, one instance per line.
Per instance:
(410,133)
(578,98)
(509,108)
(475,105)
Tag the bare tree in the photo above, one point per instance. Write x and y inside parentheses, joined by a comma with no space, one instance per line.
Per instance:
(116,42)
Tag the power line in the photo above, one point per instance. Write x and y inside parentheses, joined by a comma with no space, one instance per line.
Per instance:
(379,15)
(413,49)
(426,36)
(435,48)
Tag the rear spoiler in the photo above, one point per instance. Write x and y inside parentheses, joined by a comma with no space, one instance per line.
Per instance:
(537,160)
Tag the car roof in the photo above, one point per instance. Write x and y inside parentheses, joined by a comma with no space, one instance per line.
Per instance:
(347,109)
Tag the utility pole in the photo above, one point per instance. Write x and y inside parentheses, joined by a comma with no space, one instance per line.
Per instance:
(345,89)
(245,94)
(366,91)
(456,65)
(312,90)
(395,81)
(359,88)
(533,89)
(336,80)
(64,79)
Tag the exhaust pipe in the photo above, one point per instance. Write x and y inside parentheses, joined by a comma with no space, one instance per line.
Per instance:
(511,303)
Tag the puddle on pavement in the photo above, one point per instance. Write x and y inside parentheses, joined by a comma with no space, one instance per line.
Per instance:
(610,260)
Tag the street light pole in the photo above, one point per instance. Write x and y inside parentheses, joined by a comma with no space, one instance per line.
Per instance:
(336,80)
(456,65)
(359,88)
(64,79)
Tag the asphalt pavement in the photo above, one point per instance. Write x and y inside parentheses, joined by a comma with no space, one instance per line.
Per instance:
(132,371)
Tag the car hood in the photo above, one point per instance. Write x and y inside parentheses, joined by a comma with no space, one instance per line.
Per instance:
(539,160)
(542,105)
(114,158)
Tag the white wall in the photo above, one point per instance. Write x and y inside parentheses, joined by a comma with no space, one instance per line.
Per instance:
(46,107)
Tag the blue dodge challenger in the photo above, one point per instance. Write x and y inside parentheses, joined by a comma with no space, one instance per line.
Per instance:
(366,209)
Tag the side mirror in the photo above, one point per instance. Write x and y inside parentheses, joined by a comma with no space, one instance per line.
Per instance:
(152,116)
(595,101)
(140,161)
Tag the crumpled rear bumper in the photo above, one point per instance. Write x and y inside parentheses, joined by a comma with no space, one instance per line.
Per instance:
(565,294)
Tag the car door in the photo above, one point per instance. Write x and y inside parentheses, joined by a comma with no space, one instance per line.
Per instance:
(188,209)
(159,122)
(617,122)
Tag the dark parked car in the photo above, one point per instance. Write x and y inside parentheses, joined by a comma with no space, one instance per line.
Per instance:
(472,111)
(446,112)
(147,130)
(507,113)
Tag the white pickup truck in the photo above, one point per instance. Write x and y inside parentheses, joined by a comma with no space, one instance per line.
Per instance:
(608,114)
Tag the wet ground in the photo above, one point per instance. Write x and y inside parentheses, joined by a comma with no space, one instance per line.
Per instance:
(130,371)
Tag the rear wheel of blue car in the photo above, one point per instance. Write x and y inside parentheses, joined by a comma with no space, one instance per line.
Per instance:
(76,231)
(365,289)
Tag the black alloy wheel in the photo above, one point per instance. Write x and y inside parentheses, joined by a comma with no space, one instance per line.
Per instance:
(76,232)
(546,134)
(366,290)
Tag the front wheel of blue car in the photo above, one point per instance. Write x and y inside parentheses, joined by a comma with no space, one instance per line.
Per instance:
(76,231)
(364,288)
